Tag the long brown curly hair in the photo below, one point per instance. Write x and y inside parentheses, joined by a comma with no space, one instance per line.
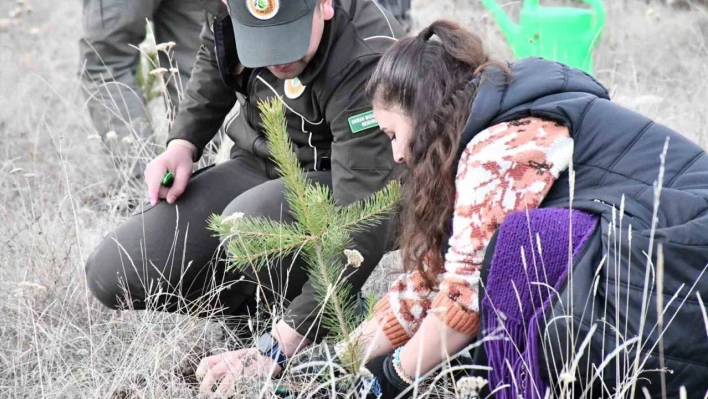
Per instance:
(431,78)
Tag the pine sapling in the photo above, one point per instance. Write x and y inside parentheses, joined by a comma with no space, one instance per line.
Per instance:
(320,234)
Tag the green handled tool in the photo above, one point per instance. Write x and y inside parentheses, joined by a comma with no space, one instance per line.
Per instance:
(168,179)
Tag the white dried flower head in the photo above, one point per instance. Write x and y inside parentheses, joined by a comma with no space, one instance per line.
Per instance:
(30,175)
(481,382)
(165,46)
(470,386)
(15,13)
(111,135)
(567,378)
(20,2)
(354,257)
(158,71)
(29,9)
(233,218)
(174,71)
(4,24)
(93,137)
(34,32)
(16,171)
(467,386)
(128,140)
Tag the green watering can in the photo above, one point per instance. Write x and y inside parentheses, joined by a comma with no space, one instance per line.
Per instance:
(563,34)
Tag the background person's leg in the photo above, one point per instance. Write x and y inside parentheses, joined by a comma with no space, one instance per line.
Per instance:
(164,258)
(109,63)
(179,21)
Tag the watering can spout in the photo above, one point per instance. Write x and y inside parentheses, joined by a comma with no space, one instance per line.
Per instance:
(508,27)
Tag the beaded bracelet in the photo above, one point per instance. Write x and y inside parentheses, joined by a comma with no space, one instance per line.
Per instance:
(399,370)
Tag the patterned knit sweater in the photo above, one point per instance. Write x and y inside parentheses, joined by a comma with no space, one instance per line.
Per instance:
(505,168)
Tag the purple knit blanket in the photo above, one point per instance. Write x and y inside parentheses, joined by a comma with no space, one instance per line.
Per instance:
(518,292)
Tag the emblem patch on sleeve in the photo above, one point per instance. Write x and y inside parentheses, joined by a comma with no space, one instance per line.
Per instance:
(363,121)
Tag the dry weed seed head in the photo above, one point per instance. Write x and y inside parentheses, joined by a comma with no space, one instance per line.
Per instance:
(233,218)
(354,257)
(469,387)
(158,71)
(165,47)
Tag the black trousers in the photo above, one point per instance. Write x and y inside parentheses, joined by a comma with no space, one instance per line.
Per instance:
(165,258)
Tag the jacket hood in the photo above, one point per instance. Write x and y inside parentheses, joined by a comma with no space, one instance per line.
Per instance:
(532,79)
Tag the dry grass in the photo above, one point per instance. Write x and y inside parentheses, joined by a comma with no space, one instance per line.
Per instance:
(60,194)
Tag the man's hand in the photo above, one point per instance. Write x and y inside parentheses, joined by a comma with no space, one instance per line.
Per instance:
(177,158)
(226,368)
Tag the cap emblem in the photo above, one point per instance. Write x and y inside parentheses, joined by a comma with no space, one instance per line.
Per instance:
(263,9)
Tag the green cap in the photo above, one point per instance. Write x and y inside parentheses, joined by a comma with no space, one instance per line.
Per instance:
(271,32)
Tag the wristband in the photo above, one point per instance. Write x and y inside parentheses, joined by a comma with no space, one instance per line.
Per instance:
(269,347)
(396,361)
(393,377)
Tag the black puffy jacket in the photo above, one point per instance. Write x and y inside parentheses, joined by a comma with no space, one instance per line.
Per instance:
(617,158)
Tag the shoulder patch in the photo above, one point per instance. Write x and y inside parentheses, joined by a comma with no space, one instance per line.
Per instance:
(364,121)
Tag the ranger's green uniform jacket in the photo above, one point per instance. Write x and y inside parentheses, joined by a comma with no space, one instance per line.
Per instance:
(330,119)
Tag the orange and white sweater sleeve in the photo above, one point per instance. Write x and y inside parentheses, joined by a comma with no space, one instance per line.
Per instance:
(505,168)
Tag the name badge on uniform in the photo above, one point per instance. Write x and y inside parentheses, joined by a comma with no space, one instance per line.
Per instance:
(293,88)
(363,121)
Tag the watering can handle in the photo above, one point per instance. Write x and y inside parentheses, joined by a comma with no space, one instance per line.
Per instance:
(599,8)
